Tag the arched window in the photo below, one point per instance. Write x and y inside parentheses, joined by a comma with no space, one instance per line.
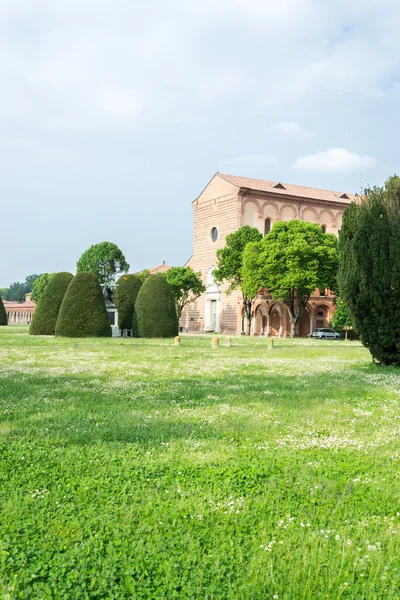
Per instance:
(323,227)
(267,226)
(214,234)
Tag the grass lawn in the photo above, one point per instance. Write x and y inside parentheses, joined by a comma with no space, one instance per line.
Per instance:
(136,469)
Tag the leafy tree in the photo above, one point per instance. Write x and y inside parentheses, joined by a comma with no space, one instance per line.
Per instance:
(341,317)
(155,312)
(46,314)
(128,287)
(230,265)
(291,261)
(39,286)
(3,314)
(105,260)
(369,271)
(186,286)
(83,310)
(3,291)
(17,290)
(143,275)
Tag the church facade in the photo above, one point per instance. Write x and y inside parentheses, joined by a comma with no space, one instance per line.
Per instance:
(226,204)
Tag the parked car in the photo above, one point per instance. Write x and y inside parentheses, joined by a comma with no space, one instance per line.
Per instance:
(324,333)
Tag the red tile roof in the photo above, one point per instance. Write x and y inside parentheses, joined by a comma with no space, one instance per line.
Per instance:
(287,189)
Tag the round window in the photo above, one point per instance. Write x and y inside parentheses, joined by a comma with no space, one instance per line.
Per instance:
(214,234)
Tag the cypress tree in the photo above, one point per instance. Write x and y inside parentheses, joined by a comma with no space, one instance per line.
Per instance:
(46,313)
(128,287)
(155,311)
(369,270)
(83,311)
(3,314)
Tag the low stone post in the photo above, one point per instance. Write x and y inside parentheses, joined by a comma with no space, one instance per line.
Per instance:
(228,342)
(177,341)
(214,343)
(270,343)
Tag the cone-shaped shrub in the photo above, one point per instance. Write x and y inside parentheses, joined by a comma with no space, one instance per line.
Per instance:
(3,314)
(128,287)
(83,310)
(46,313)
(155,312)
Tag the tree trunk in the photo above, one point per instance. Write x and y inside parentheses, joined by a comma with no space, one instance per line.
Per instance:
(248,326)
(293,324)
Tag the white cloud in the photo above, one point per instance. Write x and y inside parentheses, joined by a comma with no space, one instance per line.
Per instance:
(294,129)
(248,160)
(334,160)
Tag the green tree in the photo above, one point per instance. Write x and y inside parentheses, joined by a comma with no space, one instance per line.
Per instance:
(155,312)
(39,286)
(105,260)
(186,286)
(341,317)
(143,275)
(369,271)
(128,287)
(46,314)
(230,265)
(17,290)
(83,310)
(3,314)
(291,261)
(3,291)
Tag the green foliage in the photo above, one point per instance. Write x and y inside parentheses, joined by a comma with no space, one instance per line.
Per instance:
(128,287)
(293,260)
(143,275)
(155,312)
(105,260)
(39,286)
(3,314)
(83,311)
(186,286)
(341,317)
(369,273)
(230,264)
(3,291)
(17,290)
(46,313)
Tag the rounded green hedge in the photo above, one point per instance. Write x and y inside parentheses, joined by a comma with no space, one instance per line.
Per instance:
(3,314)
(155,312)
(128,287)
(83,310)
(44,318)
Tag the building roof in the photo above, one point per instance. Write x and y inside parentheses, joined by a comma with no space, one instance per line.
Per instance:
(287,189)
(159,269)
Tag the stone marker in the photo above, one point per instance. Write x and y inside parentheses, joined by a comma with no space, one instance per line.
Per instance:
(228,342)
(177,341)
(215,343)
(270,343)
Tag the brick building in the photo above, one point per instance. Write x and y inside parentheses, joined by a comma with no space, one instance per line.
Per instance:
(227,203)
(20,312)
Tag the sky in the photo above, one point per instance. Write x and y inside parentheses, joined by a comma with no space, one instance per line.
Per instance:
(115,115)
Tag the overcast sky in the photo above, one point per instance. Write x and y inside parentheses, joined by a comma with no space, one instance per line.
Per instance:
(115,115)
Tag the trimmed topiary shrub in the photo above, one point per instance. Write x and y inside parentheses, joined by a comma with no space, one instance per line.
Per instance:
(155,312)
(128,287)
(44,318)
(3,314)
(83,310)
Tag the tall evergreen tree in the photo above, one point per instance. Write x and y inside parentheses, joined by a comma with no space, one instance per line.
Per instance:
(45,316)
(3,314)
(369,271)
(83,310)
(155,312)
(128,287)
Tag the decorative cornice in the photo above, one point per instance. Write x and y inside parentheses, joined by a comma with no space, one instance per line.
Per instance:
(295,199)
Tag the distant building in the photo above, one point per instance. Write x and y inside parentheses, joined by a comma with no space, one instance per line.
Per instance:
(227,203)
(20,312)
(159,269)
